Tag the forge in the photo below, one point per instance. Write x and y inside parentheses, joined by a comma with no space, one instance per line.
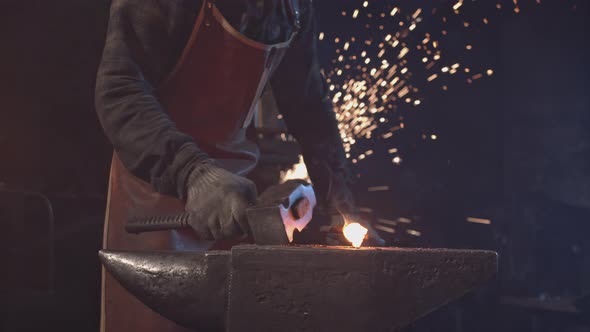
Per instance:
(299,288)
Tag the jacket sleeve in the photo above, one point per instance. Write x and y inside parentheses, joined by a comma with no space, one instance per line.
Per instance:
(302,97)
(138,54)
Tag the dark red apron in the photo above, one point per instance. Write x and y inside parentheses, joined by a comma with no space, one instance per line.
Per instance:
(211,94)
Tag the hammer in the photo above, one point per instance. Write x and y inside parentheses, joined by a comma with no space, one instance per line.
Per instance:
(279,210)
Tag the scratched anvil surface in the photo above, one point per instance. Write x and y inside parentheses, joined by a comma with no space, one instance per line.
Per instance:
(301,288)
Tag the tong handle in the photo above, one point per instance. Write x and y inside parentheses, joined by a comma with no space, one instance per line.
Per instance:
(157,223)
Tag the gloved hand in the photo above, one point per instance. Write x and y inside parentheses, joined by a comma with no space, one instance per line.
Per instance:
(217,201)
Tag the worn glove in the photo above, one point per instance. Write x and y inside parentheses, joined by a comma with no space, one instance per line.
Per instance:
(217,201)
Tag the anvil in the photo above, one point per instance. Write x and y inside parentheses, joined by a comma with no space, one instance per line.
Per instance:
(299,288)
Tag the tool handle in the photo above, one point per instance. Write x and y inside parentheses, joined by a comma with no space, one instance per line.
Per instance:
(157,223)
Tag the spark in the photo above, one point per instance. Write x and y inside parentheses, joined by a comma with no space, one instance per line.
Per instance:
(385,229)
(377,74)
(413,232)
(403,52)
(479,220)
(417,13)
(378,188)
(404,220)
(386,222)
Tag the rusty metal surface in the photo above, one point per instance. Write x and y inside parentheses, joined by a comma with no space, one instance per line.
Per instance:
(345,289)
(300,288)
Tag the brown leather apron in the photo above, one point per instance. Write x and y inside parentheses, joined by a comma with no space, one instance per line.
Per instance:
(211,95)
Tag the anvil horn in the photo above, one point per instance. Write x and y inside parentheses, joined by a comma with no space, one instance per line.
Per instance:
(300,287)
(189,288)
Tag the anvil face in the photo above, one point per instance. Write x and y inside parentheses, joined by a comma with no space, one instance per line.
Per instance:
(300,288)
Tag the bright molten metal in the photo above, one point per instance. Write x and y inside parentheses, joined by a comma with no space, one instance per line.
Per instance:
(354,233)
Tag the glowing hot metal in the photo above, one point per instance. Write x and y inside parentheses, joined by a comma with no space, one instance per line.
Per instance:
(355,233)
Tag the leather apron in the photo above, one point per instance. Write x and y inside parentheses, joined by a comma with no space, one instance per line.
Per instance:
(211,95)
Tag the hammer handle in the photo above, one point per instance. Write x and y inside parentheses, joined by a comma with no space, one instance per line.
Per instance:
(157,223)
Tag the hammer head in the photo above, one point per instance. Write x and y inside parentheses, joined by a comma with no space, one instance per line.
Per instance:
(280,210)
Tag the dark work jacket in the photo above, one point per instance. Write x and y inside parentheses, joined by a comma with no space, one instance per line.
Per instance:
(144,41)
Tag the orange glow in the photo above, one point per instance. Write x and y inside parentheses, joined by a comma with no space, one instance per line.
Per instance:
(297,172)
(354,233)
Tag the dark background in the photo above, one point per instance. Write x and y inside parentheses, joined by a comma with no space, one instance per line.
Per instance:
(513,148)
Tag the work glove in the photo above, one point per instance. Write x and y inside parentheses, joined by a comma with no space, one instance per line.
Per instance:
(217,201)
